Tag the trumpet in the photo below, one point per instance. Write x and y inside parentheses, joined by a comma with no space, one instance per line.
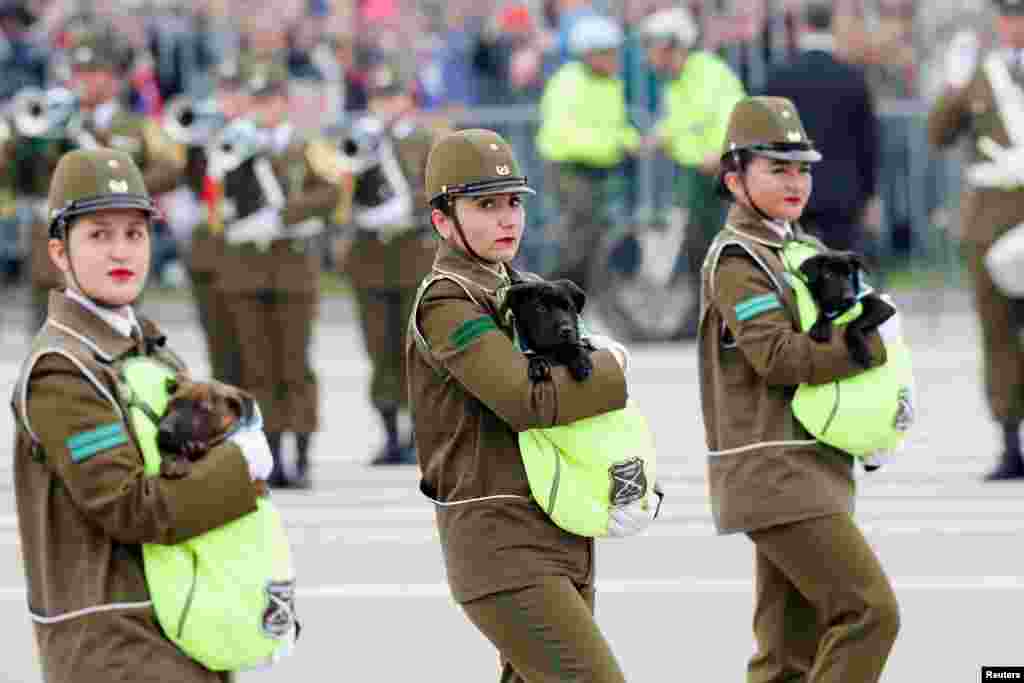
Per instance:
(38,113)
(193,122)
(234,144)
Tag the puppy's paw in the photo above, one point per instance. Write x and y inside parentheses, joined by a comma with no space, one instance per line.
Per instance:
(539,369)
(581,367)
(821,330)
(174,467)
(858,349)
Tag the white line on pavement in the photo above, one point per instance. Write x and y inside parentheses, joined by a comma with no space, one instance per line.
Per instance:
(685,585)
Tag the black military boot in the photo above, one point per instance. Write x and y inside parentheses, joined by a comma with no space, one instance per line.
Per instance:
(391,453)
(1011,463)
(276,478)
(302,479)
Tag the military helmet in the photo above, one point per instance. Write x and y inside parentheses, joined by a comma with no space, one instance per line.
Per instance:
(93,180)
(472,163)
(99,47)
(262,75)
(1010,7)
(674,26)
(770,127)
(594,33)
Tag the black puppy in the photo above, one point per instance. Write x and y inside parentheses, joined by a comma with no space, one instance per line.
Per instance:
(546,316)
(833,279)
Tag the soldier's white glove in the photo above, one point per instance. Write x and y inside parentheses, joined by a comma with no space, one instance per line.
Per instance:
(262,227)
(961,59)
(630,520)
(600,341)
(253,444)
(1005,170)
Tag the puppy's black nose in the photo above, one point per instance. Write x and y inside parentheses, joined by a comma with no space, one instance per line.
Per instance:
(565,332)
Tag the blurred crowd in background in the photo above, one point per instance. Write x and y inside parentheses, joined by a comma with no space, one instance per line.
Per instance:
(486,62)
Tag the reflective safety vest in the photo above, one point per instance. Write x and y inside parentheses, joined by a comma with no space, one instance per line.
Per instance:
(860,415)
(226,597)
(580,471)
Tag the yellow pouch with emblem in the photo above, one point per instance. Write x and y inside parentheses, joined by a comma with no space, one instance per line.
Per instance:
(226,597)
(859,415)
(580,471)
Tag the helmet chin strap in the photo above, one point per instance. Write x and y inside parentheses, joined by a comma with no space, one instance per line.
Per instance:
(750,197)
(462,236)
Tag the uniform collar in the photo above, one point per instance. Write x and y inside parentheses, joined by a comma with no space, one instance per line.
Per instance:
(70,316)
(122,320)
(103,115)
(452,261)
(744,221)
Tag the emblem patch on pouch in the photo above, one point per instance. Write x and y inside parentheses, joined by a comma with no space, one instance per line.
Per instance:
(279,616)
(629,482)
(904,411)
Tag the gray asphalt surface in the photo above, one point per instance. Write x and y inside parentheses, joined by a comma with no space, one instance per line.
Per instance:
(676,604)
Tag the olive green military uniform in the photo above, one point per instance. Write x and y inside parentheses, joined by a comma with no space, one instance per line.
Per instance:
(828,617)
(985,214)
(387,262)
(84,504)
(161,160)
(525,583)
(271,288)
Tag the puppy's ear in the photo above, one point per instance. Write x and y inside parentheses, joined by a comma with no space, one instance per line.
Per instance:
(811,268)
(855,260)
(515,295)
(576,294)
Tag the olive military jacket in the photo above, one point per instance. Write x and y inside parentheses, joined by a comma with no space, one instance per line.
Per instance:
(85,506)
(160,159)
(764,468)
(399,260)
(985,213)
(284,265)
(469,396)
(206,248)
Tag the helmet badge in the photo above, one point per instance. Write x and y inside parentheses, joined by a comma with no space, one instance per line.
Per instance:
(503,169)
(118,185)
(794,136)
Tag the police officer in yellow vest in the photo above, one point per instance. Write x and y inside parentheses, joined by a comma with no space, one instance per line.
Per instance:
(585,135)
(99,60)
(85,503)
(990,205)
(827,617)
(392,246)
(700,92)
(277,191)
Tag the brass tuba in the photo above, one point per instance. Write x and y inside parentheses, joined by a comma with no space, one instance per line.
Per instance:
(193,122)
(38,113)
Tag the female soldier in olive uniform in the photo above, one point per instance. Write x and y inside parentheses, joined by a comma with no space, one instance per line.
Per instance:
(84,504)
(388,259)
(98,61)
(271,283)
(524,583)
(825,610)
(969,107)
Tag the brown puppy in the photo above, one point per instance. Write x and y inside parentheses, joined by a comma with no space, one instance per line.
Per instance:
(199,416)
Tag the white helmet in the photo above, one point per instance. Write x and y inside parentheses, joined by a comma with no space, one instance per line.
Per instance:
(594,32)
(675,25)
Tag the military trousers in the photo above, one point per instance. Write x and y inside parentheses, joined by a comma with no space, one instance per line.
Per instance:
(825,611)
(1003,350)
(222,347)
(274,331)
(383,318)
(584,197)
(546,633)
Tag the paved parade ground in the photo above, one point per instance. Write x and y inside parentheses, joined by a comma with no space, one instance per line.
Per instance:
(676,604)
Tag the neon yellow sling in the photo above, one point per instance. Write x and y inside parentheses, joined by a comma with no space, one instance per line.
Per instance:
(862,414)
(225,597)
(578,472)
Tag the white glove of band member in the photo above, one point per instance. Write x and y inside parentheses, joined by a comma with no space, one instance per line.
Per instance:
(632,519)
(601,341)
(961,59)
(255,449)
(263,226)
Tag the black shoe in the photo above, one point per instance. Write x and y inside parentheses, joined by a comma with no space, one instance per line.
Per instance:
(1010,467)
(395,455)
